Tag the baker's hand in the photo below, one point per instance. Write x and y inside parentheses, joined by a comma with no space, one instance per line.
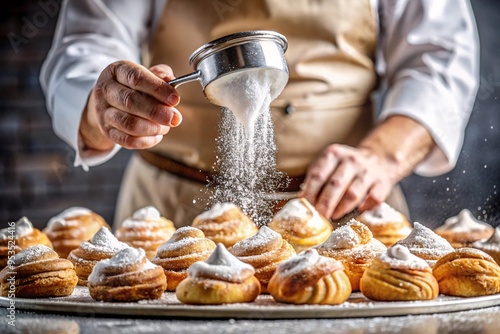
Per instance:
(344,178)
(130,106)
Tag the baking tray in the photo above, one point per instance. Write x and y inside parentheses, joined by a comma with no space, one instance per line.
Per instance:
(80,303)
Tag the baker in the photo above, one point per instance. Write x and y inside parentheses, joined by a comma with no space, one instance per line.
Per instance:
(424,53)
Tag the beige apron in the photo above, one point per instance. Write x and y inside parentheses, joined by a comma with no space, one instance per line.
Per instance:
(330,60)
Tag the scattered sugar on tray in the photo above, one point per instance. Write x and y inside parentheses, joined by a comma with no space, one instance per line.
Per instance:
(221,264)
(264,236)
(104,241)
(399,257)
(381,215)
(31,254)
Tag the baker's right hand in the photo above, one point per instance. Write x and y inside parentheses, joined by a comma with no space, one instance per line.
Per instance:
(130,106)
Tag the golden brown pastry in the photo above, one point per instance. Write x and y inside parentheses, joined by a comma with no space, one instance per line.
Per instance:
(126,277)
(221,279)
(301,225)
(21,235)
(426,244)
(264,251)
(309,278)
(353,245)
(186,246)
(103,245)
(398,275)
(225,223)
(37,272)
(146,229)
(467,272)
(386,223)
(490,246)
(71,227)
(464,229)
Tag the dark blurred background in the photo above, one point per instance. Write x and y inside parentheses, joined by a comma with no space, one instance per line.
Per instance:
(37,177)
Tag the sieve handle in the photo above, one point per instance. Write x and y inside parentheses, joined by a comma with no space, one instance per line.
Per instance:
(185,78)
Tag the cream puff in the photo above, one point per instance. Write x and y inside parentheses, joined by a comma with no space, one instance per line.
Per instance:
(186,246)
(386,223)
(467,272)
(18,236)
(462,230)
(146,229)
(126,277)
(221,279)
(301,224)
(225,223)
(426,244)
(398,275)
(264,251)
(70,228)
(103,245)
(352,244)
(38,272)
(309,278)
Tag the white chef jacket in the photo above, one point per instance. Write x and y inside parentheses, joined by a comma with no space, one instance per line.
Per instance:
(427,57)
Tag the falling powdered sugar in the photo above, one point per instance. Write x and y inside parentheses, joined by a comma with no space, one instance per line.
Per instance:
(246,161)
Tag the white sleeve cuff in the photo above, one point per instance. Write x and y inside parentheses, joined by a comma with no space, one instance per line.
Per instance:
(68,105)
(417,96)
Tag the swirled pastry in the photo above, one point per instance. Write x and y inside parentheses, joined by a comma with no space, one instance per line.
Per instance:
(225,223)
(18,236)
(146,229)
(309,278)
(71,227)
(463,229)
(221,279)
(386,223)
(38,272)
(127,276)
(398,275)
(103,245)
(264,251)
(467,272)
(301,225)
(186,246)
(490,246)
(353,245)
(426,244)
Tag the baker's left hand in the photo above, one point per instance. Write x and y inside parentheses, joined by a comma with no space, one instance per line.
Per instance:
(344,178)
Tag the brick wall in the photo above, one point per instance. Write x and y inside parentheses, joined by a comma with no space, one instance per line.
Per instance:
(37,178)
